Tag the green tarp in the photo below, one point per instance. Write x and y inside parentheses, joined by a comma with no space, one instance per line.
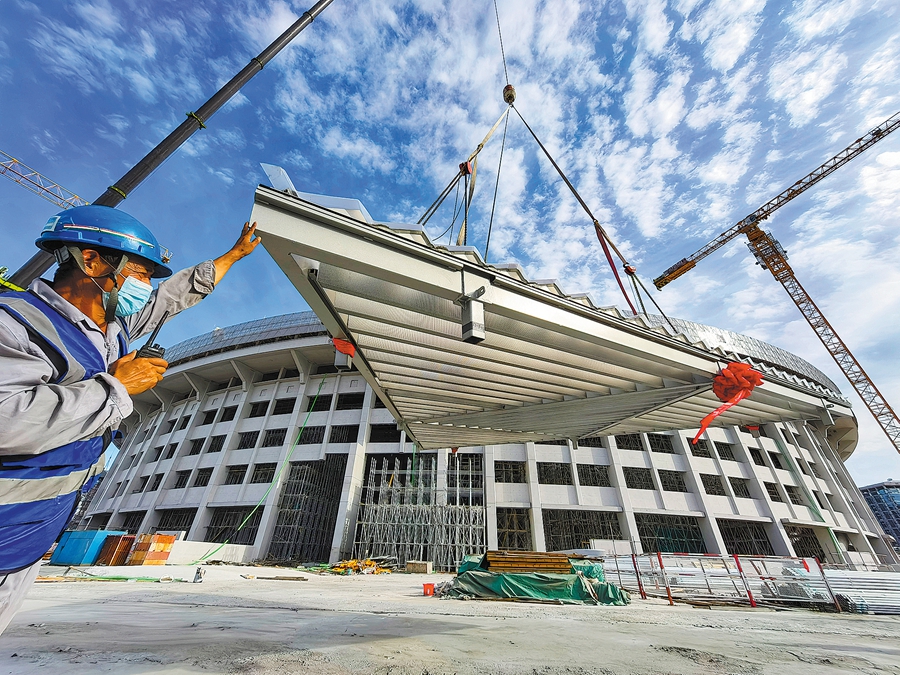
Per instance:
(470,562)
(561,588)
(593,569)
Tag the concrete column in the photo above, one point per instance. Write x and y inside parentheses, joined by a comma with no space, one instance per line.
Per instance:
(351,491)
(490,498)
(535,514)
(712,537)
(617,478)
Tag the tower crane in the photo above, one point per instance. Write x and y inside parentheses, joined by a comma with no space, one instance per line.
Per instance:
(38,183)
(771,256)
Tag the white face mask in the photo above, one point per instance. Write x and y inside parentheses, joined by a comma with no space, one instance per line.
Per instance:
(133,296)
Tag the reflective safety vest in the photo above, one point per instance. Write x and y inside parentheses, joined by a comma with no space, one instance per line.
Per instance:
(39,493)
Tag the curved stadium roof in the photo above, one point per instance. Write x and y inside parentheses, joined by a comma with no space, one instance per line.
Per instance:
(275,329)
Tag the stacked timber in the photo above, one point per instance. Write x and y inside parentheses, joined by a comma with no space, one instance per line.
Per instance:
(527,562)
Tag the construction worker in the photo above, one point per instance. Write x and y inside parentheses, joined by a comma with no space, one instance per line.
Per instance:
(67,374)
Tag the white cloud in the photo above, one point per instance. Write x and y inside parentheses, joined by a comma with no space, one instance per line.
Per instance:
(802,80)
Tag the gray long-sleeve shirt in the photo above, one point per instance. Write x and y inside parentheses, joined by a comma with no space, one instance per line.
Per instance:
(36,415)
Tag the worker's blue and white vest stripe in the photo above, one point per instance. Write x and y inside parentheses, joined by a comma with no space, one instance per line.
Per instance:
(39,493)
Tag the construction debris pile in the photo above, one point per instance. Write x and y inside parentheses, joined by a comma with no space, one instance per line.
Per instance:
(529,576)
(375,565)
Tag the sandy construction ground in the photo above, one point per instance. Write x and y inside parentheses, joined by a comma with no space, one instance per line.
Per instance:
(331,625)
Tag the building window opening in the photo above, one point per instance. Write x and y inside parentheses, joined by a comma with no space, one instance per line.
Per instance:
(247,440)
(202,477)
(805,542)
(259,409)
(740,487)
(743,537)
(384,433)
(157,481)
(311,436)
(181,479)
(793,493)
(774,494)
(629,442)
(263,473)
(170,452)
(554,473)
(269,377)
(344,433)
(208,418)
(776,460)
(157,453)
(274,438)
(672,481)
(726,452)
(592,442)
(566,529)
(555,441)
(353,401)
(757,457)
(308,510)
(228,413)
(506,471)
(593,475)
(637,478)
(223,526)
(513,530)
(184,423)
(465,480)
(712,484)
(196,446)
(216,443)
(132,521)
(701,449)
(141,484)
(320,404)
(176,520)
(235,474)
(661,443)
(669,534)
(284,406)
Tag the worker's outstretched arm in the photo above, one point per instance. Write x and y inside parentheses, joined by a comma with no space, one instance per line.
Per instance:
(242,248)
(186,288)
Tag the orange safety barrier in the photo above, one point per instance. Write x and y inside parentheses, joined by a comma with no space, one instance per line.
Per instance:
(151,549)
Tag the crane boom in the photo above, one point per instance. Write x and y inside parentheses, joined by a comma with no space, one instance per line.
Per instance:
(771,256)
(38,183)
(859,146)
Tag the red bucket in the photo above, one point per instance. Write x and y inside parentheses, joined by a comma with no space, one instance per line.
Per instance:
(427,589)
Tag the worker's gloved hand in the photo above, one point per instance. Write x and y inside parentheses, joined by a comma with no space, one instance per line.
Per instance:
(138,375)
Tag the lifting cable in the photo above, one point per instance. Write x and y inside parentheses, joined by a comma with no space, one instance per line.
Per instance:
(601,233)
(487,243)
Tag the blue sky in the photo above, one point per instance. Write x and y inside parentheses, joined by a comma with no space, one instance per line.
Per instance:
(674,119)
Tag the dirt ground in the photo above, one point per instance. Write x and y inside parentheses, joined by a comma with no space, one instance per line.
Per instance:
(384,625)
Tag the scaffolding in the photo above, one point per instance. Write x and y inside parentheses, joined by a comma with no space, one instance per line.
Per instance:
(307,510)
(407,513)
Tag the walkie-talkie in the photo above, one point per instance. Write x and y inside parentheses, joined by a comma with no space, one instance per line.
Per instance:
(150,350)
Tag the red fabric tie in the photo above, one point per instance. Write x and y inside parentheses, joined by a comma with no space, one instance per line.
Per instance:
(344,347)
(735,383)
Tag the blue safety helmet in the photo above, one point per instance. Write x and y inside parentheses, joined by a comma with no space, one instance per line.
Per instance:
(106,227)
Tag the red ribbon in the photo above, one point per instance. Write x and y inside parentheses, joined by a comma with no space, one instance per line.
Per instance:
(735,383)
(344,347)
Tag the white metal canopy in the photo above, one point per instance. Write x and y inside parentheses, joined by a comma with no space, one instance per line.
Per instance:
(550,366)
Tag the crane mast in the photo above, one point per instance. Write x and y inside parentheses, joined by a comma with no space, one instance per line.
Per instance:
(770,254)
(856,148)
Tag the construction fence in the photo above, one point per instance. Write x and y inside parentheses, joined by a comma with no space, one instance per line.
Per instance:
(754,580)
